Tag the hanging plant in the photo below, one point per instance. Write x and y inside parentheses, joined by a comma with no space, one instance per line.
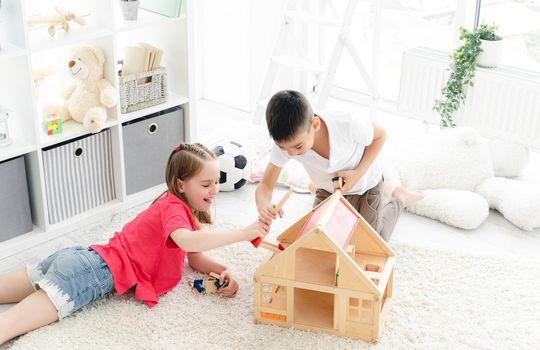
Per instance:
(462,70)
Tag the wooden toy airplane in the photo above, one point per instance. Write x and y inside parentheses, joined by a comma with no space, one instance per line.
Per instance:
(259,242)
(61,19)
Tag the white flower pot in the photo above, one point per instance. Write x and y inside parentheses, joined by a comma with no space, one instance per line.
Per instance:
(129,9)
(491,55)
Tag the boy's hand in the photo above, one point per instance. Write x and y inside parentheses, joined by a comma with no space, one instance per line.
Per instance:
(268,212)
(230,289)
(350,178)
(257,229)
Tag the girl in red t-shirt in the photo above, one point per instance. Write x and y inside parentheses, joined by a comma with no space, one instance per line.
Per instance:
(147,255)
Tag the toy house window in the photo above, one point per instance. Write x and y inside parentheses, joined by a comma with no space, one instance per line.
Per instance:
(374,271)
(274,296)
(360,310)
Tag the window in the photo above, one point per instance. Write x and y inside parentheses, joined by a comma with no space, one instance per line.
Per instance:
(395,27)
(519,24)
(360,310)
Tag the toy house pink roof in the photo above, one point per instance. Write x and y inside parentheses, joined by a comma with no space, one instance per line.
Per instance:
(340,225)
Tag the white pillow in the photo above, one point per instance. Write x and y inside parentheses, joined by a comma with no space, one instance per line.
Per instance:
(462,209)
(455,159)
(509,159)
(517,201)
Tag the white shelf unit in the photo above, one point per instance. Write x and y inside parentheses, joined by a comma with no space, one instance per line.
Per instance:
(24,49)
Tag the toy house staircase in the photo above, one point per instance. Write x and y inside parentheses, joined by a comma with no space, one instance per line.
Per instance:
(326,71)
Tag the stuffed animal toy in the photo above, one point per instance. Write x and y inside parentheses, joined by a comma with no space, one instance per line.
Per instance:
(460,175)
(86,100)
(61,19)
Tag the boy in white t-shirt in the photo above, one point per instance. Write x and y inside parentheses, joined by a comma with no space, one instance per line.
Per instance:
(330,144)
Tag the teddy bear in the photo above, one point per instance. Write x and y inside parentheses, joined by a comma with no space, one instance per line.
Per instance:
(86,101)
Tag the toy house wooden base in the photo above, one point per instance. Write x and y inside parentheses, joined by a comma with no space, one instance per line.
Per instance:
(334,276)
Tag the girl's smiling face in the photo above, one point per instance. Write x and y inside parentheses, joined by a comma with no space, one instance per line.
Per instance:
(201,189)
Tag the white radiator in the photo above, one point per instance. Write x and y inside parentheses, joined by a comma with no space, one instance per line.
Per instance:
(504,102)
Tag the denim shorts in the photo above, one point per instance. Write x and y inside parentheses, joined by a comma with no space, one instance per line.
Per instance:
(72,278)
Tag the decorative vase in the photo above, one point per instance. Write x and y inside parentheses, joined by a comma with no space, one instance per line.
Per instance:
(492,52)
(129,9)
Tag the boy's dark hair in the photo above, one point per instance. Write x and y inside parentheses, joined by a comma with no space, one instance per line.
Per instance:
(288,112)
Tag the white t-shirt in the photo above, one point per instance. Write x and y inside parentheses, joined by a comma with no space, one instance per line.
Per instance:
(348,134)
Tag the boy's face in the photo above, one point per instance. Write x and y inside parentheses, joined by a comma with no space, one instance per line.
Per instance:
(302,141)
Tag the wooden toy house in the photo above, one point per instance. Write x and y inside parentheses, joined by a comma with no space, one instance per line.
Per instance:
(335,275)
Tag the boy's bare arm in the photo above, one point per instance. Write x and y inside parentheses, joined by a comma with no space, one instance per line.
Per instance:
(263,193)
(371,152)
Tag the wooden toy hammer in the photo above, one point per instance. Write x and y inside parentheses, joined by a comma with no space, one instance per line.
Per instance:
(259,242)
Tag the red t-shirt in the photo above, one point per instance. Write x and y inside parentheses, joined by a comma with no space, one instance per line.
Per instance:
(143,254)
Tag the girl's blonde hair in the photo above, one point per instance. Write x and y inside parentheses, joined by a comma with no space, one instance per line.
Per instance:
(185,161)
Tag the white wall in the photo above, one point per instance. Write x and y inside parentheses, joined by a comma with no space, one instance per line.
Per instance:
(235,42)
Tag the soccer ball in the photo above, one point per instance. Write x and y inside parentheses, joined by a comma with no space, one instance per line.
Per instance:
(233,166)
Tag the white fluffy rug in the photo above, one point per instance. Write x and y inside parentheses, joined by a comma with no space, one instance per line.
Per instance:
(442,300)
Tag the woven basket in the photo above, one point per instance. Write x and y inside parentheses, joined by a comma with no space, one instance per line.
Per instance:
(142,90)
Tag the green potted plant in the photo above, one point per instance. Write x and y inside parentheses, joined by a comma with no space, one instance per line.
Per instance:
(463,66)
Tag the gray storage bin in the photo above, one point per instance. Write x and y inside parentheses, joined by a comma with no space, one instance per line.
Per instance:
(148,142)
(15,216)
(78,175)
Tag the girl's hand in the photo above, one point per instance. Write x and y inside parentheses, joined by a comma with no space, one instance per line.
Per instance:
(231,288)
(256,229)
(268,212)
(350,178)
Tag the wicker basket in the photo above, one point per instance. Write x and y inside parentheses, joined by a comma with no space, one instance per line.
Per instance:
(142,90)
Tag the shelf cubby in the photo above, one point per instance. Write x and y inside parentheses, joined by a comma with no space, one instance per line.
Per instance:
(24,50)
